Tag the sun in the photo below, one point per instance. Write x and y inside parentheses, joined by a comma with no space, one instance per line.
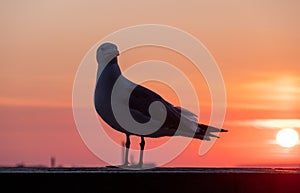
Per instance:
(287,137)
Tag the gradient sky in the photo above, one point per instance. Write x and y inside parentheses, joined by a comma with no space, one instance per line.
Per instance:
(256,44)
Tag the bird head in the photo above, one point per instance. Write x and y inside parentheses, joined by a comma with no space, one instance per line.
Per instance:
(106,52)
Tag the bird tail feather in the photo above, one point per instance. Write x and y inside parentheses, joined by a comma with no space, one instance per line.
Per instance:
(205,131)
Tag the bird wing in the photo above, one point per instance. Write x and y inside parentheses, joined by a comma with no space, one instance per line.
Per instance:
(188,114)
(140,100)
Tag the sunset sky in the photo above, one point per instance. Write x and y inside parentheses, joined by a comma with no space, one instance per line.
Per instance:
(256,44)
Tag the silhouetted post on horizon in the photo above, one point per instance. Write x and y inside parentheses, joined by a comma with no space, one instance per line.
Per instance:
(52,162)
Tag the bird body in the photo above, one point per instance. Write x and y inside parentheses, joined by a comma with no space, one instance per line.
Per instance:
(140,100)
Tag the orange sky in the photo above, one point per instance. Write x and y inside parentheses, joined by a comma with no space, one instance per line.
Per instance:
(255,44)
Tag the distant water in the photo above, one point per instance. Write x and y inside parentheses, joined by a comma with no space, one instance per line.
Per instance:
(153,170)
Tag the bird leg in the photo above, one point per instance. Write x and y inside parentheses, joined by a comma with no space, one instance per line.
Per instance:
(127,144)
(142,144)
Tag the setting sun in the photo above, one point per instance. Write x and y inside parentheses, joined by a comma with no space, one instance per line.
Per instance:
(287,137)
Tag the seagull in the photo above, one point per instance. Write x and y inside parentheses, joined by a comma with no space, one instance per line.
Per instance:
(165,117)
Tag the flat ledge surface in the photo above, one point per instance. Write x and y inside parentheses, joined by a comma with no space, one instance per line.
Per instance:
(152,170)
(161,179)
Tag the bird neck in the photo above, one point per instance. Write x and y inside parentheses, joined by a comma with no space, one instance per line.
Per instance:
(112,69)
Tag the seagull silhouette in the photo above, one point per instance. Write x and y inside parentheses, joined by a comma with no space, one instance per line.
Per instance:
(165,117)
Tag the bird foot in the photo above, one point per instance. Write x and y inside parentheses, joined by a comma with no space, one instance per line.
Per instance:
(136,166)
(119,166)
(133,166)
